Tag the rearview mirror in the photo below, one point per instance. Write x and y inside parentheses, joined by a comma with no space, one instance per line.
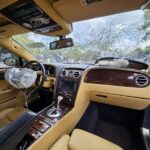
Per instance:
(10,61)
(62,43)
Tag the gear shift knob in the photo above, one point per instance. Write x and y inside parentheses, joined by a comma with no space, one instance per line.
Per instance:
(55,112)
(59,99)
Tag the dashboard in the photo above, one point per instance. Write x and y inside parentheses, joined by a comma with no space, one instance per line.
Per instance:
(124,87)
(124,77)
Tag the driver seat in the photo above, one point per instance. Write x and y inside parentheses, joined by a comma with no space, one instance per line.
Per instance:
(10,115)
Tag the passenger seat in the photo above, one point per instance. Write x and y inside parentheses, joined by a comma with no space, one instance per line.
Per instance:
(82,140)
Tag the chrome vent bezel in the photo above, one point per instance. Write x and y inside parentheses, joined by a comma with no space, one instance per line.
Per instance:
(64,73)
(76,74)
(142,80)
(71,73)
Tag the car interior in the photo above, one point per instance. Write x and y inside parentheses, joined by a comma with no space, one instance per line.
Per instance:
(69,106)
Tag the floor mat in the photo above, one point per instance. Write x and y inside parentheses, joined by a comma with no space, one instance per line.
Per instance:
(122,136)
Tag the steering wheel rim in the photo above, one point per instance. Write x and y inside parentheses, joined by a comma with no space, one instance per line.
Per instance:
(42,69)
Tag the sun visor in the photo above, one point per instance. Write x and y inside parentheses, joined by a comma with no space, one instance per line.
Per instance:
(77,10)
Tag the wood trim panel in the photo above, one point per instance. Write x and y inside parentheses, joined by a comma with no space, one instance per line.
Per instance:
(114,77)
(42,123)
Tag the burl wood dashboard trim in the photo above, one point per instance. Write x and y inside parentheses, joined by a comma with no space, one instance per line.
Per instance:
(114,77)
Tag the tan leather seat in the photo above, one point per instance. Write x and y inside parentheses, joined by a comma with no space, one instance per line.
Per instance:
(82,140)
(9,115)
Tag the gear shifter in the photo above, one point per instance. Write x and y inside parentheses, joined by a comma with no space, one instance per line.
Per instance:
(55,112)
(59,99)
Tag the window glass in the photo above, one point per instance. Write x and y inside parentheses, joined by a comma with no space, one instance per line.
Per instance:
(125,35)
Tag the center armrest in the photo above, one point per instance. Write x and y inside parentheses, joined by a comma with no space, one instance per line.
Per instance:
(12,134)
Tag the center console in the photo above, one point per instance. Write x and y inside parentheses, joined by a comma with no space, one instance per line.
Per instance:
(68,84)
(67,88)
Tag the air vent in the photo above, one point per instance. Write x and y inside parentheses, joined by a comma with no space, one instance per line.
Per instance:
(64,73)
(76,74)
(142,80)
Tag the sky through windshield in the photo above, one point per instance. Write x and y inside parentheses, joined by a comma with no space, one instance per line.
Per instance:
(124,35)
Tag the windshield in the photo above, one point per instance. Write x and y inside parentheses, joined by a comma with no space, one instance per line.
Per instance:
(125,35)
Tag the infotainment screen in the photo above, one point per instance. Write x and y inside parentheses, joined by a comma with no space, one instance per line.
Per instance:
(67,86)
(68,89)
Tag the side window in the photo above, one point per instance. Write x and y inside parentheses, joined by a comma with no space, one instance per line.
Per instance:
(3,55)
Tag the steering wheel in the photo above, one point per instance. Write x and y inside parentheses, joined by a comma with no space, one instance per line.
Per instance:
(40,79)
